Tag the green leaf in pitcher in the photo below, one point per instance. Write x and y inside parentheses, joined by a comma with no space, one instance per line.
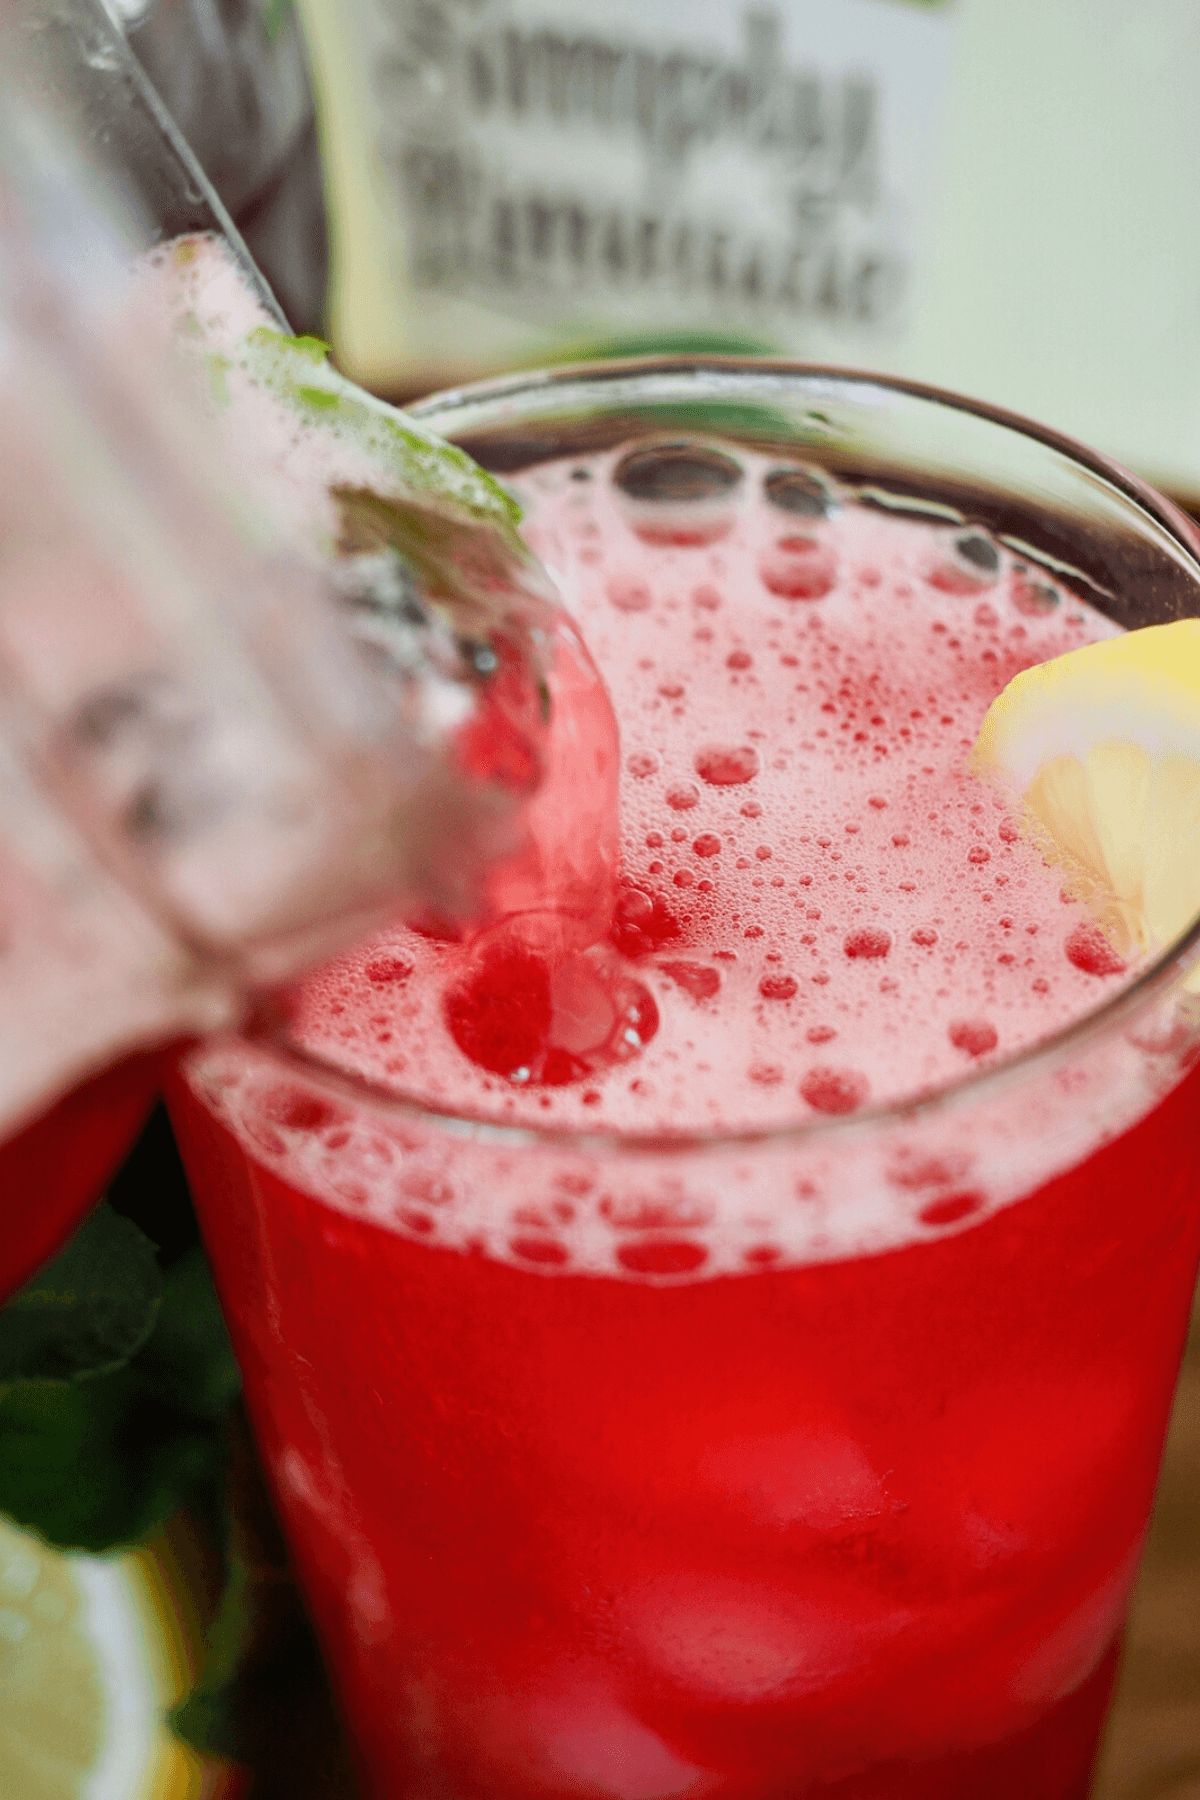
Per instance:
(296,372)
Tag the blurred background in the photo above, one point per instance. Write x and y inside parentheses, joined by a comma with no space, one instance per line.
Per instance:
(994,198)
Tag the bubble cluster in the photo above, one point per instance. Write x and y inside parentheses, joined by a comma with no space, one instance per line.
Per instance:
(532,1007)
(819,909)
(834,1090)
(727,765)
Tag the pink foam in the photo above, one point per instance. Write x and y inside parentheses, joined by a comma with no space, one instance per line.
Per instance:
(837,900)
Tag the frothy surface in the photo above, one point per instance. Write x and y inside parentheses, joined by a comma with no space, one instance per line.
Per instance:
(825,909)
(819,912)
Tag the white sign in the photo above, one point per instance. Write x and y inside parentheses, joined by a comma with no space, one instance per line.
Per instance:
(554,172)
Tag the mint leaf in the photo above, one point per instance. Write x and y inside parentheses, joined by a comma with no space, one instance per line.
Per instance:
(86,1312)
(429,469)
(315,399)
(460,564)
(315,348)
(83,1469)
(188,1364)
(115,1387)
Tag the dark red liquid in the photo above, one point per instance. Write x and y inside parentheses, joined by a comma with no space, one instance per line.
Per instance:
(814,1464)
(54,1170)
(860,1530)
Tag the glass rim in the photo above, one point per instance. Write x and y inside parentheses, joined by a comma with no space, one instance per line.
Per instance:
(1153,982)
(609,370)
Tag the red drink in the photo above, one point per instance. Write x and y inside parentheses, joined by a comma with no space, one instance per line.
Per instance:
(56,1169)
(685,1426)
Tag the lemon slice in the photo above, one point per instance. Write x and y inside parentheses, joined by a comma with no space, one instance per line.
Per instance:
(90,1660)
(1102,748)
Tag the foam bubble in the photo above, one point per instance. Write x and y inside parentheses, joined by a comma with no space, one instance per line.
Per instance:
(812,947)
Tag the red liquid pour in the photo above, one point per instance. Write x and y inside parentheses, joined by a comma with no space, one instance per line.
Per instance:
(500,742)
(545,1018)
(643,923)
(501,1018)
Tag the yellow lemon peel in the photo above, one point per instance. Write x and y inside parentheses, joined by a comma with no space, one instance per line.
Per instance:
(90,1662)
(1100,748)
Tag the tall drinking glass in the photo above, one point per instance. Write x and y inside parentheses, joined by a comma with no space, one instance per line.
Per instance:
(807,1458)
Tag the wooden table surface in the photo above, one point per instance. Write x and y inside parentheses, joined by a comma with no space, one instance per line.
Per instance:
(1152,1747)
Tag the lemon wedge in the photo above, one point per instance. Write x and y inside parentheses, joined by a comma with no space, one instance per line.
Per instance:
(1101,748)
(90,1660)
